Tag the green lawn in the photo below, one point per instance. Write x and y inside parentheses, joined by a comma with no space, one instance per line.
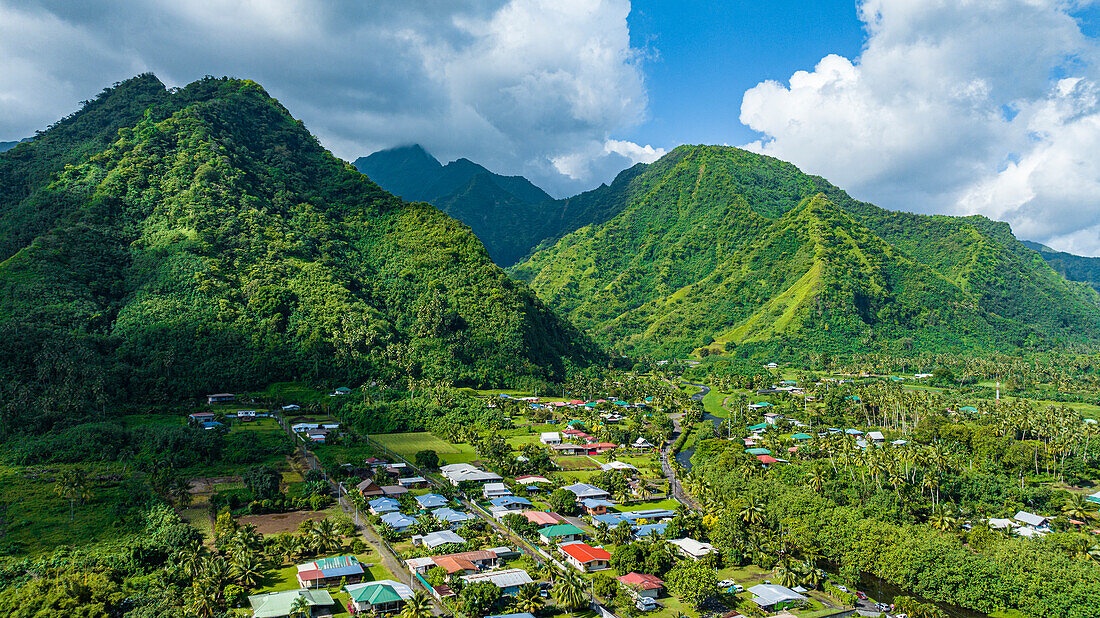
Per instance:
(407,445)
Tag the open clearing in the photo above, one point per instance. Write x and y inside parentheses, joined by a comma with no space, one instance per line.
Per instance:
(408,444)
(274,523)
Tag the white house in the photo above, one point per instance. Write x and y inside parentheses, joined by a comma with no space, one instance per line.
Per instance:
(508,580)
(550,437)
(693,549)
(461,472)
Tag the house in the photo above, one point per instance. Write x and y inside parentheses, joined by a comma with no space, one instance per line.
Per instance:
(396,469)
(341,391)
(543,518)
(510,502)
(568,448)
(645,530)
(463,472)
(528,479)
(576,434)
(641,443)
(641,585)
(398,521)
(318,435)
(220,398)
(758,428)
(246,416)
(431,501)
(562,533)
(600,448)
(767,459)
(508,580)
(584,490)
(433,540)
(394,490)
(293,407)
(379,506)
(470,561)
(595,506)
(550,437)
(413,481)
(801,436)
(201,417)
(495,490)
(369,488)
(1002,524)
(771,418)
(279,604)
(693,549)
(384,596)
(613,519)
(586,558)
(451,517)
(325,572)
(876,437)
(1031,519)
(211,425)
(758,451)
(771,597)
(617,465)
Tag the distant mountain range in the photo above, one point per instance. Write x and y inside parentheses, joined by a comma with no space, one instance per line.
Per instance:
(6,146)
(161,244)
(508,213)
(1072,267)
(711,248)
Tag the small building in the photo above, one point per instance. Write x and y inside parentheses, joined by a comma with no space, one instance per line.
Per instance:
(292,407)
(510,503)
(369,488)
(495,490)
(462,562)
(220,398)
(246,416)
(543,518)
(550,437)
(584,490)
(211,425)
(384,596)
(596,506)
(693,549)
(1031,519)
(758,451)
(641,443)
(773,597)
(378,506)
(641,585)
(586,558)
(451,517)
(531,479)
(431,501)
(645,530)
(617,465)
(561,533)
(801,436)
(433,540)
(876,437)
(464,472)
(391,491)
(279,604)
(398,521)
(508,580)
(201,417)
(413,481)
(341,391)
(325,572)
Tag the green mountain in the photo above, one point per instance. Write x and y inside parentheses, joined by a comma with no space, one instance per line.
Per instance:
(158,245)
(6,146)
(1072,267)
(715,247)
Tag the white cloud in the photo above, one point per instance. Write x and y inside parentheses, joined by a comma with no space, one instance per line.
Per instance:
(602,161)
(963,107)
(513,84)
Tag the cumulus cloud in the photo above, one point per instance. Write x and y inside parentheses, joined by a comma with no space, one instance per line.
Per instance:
(961,107)
(514,84)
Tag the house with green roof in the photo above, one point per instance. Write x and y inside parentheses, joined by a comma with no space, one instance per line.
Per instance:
(758,427)
(562,533)
(381,597)
(801,436)
(758,451)
(279,604)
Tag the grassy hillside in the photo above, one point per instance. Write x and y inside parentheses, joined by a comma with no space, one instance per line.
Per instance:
(714,247)
(1073,267)
(160,245)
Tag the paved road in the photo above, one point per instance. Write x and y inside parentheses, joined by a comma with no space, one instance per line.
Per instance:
(675,488)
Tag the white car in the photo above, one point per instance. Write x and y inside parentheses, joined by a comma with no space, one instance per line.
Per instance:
(646,604)
(726,583)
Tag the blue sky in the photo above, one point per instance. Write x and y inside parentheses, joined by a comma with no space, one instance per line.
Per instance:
(705,55)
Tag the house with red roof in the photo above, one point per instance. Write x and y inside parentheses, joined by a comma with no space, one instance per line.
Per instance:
(642,585)
(542,518)
(586,558)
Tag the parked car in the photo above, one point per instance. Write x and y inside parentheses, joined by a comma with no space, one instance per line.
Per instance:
(842,588)
(862,596)
(726,583)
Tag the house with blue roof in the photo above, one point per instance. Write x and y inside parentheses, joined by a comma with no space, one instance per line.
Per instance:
(596,506)
(431,501)
(645,530)
(325,572)
(510,501)
(451,517)
(379,506)
(398,521)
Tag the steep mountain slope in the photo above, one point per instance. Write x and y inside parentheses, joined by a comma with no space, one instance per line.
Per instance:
(6,146)
(718,247)
(1079,268)
(212,243)
(506,212)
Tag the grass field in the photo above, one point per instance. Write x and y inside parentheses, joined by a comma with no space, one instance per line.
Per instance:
(408,444)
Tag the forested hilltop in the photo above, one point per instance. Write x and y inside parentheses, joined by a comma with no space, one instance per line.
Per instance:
(161,244)
(715,249)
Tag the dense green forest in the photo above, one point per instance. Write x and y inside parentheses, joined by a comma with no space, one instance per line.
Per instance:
(160,244)
(714,249)
(1072,267)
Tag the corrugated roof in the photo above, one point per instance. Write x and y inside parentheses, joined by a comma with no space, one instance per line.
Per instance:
(582,552)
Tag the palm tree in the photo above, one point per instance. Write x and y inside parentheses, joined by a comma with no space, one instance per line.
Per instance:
(73,484)
(249,570)
(1077,507)
(324,536)
(570,593)
(942,520)
(419,606)
(527,599)
(203,599)
(788,577)
(299,608)
(190,559)
(753,513)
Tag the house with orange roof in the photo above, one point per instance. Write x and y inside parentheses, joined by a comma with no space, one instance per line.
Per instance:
(586,558)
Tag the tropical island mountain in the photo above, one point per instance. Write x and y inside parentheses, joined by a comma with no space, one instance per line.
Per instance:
(715,248)
(161,244)
(508,213)
(1072,267)
(6,146)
